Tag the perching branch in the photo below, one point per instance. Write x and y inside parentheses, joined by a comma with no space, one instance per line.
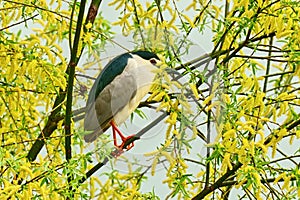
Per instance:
(128,142)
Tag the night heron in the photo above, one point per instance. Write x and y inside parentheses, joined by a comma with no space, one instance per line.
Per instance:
(117,92)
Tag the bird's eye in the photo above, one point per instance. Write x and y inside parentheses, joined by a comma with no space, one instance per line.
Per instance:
(153,61)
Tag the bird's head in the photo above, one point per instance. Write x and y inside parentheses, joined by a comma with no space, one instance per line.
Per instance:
(147,55)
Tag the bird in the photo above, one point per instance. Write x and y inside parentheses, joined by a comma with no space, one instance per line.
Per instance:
(117,92)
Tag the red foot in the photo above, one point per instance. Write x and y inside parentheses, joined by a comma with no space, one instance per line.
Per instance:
(123,138)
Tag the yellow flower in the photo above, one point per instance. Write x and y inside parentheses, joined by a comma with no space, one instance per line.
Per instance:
(226,162)
(88,25)
(194,90)
(172,119)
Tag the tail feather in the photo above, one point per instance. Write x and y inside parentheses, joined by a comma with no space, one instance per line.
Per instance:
(95,134)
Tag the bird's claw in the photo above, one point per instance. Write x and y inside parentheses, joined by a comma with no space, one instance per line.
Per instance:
(120,148)
(124,141)
(116,153)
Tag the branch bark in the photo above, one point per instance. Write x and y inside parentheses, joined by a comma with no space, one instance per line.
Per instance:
(51,124)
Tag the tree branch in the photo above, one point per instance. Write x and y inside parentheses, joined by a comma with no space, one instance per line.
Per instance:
(220,182)
(51,124)
(72,65)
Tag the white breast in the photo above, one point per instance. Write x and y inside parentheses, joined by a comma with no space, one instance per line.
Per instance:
(143,72)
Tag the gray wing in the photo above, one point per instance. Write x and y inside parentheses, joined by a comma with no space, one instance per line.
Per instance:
(111,100)
(95,134)
(124,89)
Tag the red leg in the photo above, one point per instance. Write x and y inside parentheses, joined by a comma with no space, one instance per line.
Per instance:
(123,138)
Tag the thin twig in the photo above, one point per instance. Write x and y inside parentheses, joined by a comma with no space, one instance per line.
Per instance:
(20,22)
